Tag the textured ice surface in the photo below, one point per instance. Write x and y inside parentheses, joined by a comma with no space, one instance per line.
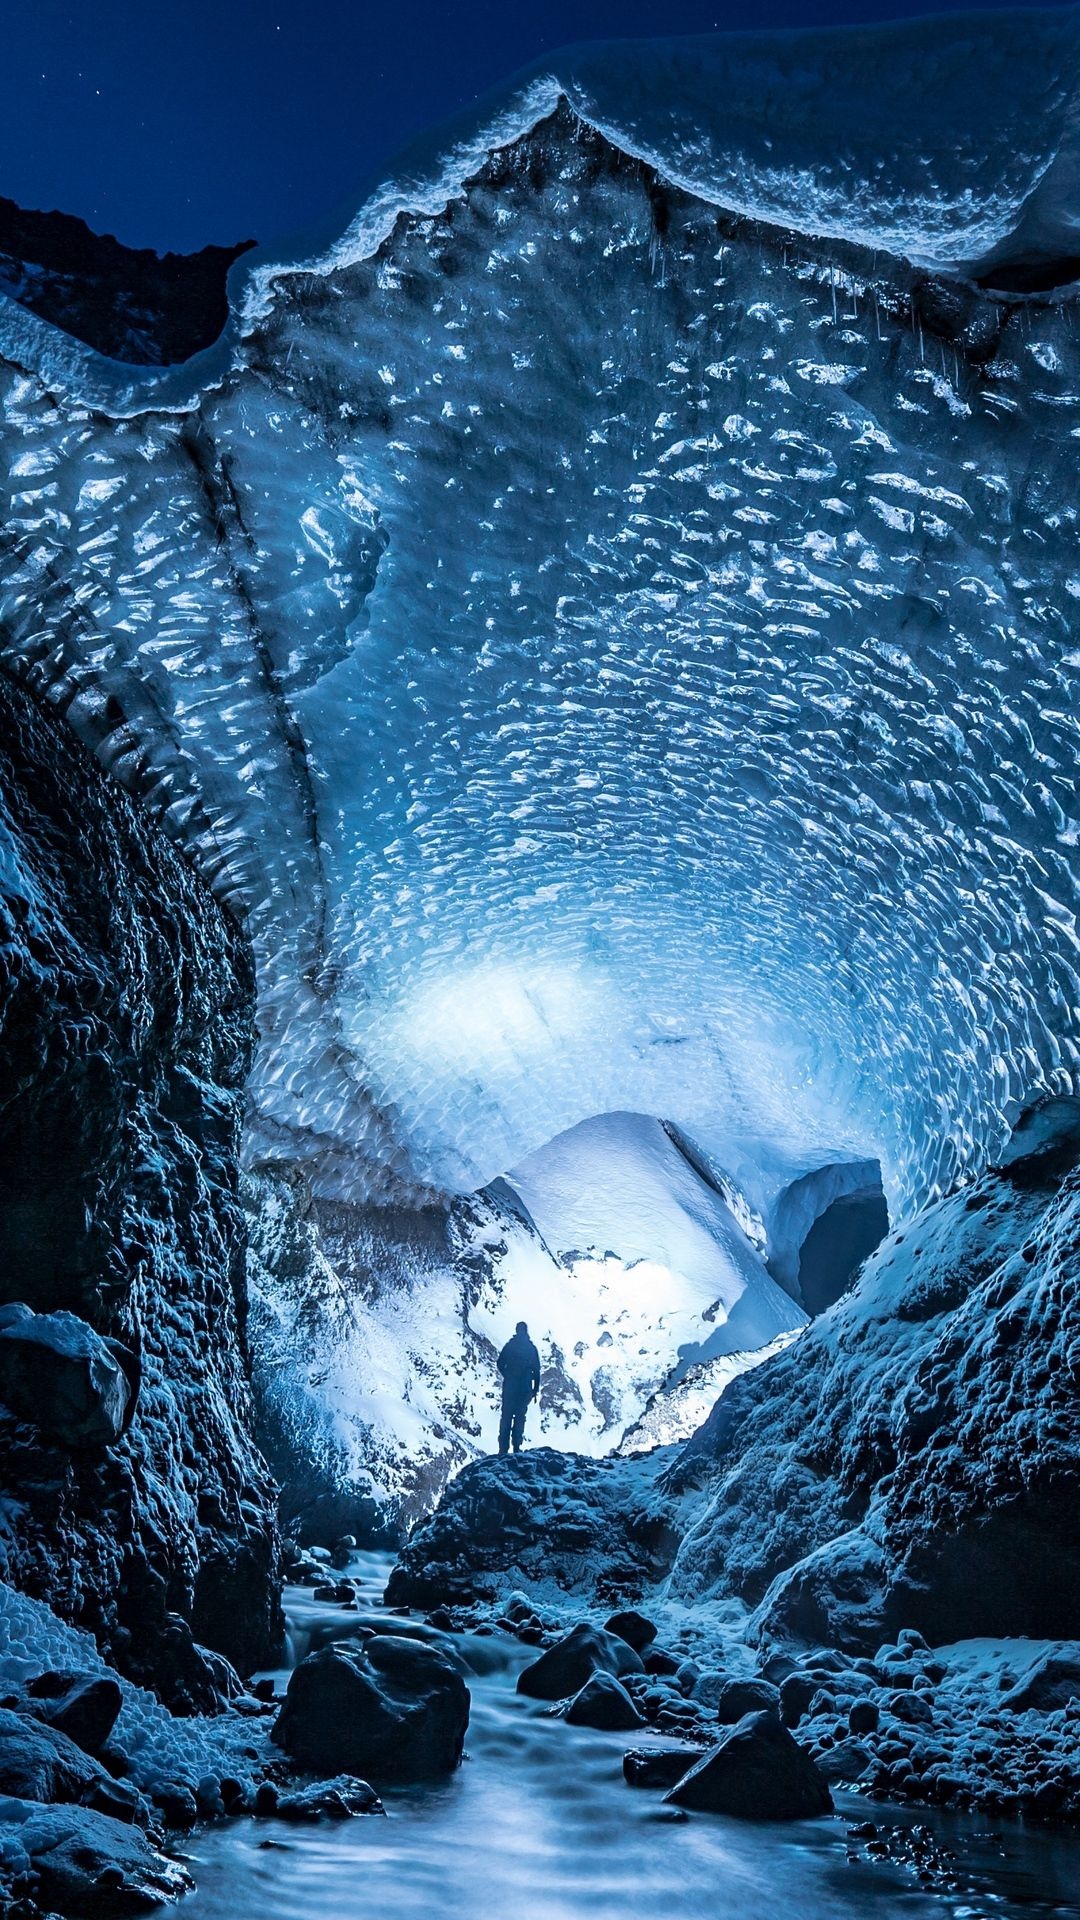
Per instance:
(619,654)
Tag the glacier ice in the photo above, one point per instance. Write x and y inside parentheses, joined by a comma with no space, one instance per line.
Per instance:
(606,614)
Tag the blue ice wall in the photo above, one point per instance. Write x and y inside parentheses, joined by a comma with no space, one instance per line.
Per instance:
(618,653)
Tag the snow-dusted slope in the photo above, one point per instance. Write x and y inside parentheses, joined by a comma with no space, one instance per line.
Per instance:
(375,1332)
(624,1209)
(915,1459)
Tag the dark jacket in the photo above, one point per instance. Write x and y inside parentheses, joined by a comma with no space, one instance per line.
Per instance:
(519,1364)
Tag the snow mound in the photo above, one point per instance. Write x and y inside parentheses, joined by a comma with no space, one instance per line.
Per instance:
(163,1752)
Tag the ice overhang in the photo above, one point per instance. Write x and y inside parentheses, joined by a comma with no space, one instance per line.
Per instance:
(615,642)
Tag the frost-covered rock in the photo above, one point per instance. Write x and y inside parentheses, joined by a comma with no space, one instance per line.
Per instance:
(914,1459)
(551,1522)
(568,1666)
(73,1860)
(393,1709)
(84,1706)
(125,1022)
(40,1763)
(603,1703)
(756,1772)
(62,1377)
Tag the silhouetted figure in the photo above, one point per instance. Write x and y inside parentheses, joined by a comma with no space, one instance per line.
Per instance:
(519,1364)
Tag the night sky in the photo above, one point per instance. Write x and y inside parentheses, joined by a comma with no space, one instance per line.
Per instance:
(171,126)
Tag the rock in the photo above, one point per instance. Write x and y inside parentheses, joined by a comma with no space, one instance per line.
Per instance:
(340,1593)
(85,1706)
(656,1767)
(757,1772)
(38,1762)
(603,1703)
(593,1527)
(913,1708)
(564,1668)
(336,1799)
(796,1693)
(662,1663)
(60,1376)
(633,1627)
(863,1716)
(845,1763)
(85,1864)
(778,1667)
(1049,1683)
(709,1686)
(687,1675)
(177,1805)
(393,1709)
(741,1697)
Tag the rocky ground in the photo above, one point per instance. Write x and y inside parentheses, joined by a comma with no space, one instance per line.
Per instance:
(135,1501)
(878,1523)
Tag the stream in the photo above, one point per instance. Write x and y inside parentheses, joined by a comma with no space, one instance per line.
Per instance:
(539,1822)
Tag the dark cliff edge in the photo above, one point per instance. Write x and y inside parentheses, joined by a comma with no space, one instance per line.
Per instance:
(126,1003)
(129,303)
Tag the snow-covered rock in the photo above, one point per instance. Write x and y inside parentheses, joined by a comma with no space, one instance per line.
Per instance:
(392,1709)
(555,1523)
(59,1375)
(73,1860)
(914,1460)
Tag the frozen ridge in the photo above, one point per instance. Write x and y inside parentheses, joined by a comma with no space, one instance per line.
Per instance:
(606,613)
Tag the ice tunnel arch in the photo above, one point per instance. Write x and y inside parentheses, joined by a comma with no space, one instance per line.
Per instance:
(618,653)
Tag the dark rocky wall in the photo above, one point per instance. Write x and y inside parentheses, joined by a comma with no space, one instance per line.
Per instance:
(130,303)
(914,1459)
(126,999)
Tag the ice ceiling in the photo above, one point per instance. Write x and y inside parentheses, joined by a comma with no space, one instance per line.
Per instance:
(617,648)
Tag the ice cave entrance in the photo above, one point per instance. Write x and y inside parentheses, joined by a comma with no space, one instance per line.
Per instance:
(671,1277)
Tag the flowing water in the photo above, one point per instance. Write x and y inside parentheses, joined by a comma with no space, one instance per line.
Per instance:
(539,1823)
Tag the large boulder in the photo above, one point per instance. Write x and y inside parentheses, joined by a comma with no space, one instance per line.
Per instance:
(603,1703)
(82,1863)
(40,1763)
(757,1772)
(564,1668)
(390,1710)
(84,1706)
(62,1377)
(736,1698)
(595,1528)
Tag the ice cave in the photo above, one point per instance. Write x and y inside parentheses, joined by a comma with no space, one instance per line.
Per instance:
(538,741)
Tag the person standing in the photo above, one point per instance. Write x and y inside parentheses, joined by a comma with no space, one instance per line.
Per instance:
(519,1365)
